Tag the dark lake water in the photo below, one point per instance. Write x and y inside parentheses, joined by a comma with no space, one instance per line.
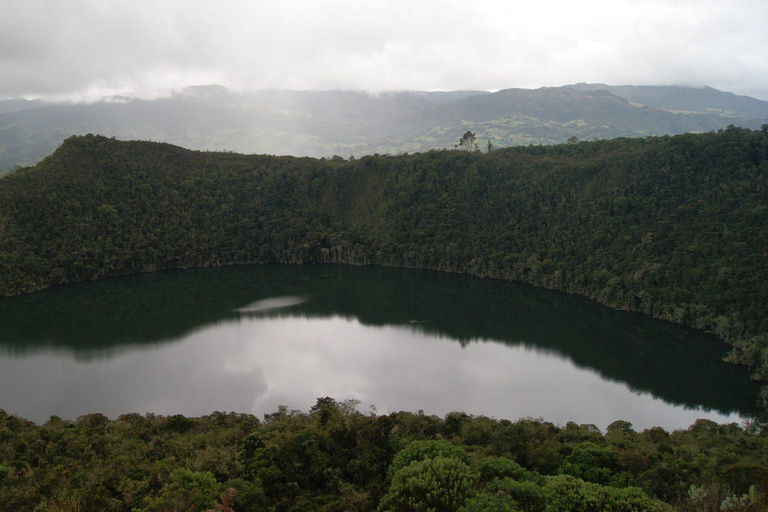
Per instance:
(249,339)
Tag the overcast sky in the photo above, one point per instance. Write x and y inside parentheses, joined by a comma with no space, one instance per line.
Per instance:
(71,49)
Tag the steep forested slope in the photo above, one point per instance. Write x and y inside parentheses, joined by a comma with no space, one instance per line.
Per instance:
(673,227)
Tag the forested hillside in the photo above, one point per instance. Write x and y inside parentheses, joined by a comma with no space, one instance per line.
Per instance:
(673,227)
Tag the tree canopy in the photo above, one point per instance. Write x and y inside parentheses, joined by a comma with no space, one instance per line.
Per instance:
(336,458)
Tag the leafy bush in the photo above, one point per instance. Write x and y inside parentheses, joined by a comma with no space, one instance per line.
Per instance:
(432,484)
(501,467)
(422,450)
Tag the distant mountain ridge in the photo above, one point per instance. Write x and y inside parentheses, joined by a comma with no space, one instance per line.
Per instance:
(694,99)
(326,123)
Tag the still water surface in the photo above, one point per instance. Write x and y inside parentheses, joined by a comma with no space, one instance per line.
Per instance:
(249,339)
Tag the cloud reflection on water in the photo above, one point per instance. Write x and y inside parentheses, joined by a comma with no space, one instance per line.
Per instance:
(256,364)
(184,342)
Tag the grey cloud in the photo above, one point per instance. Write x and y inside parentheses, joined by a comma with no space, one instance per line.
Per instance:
(79,48)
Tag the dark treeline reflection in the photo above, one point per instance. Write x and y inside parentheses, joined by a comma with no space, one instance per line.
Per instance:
(99,319)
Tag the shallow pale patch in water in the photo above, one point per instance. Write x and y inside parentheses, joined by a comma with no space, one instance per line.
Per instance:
(272,304)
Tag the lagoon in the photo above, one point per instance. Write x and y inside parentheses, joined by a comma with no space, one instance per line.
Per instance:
(251,338)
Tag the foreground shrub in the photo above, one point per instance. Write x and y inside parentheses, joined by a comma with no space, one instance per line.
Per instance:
(439,484)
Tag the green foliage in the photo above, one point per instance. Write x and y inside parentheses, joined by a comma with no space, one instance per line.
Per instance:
(185,490)
(431,484)
(490,502)
(345,461)
(567,494)
(248,497)
(528,496)
(590,462)
(501,467)
(421,450)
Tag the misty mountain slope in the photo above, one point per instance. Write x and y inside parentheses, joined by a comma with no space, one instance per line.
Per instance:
(312,123)
(552,115)
(28,135)
(18,105)
(692,99)
(340,117)
(326,123)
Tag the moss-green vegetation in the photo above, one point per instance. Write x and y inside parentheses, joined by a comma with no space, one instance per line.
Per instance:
(672,227)
(336,458)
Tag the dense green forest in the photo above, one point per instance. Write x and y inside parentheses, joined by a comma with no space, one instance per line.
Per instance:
(672,227)
(335,458)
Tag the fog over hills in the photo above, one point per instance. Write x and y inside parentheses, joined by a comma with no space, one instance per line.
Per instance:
(345,123)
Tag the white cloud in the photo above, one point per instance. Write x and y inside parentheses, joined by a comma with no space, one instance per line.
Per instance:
(88,47)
